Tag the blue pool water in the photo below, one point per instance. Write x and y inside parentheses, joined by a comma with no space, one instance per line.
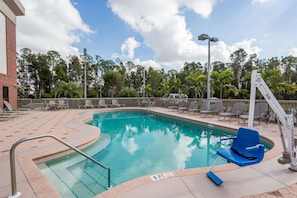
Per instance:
(134,144)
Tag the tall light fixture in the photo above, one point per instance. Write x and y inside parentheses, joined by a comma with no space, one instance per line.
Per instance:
(85,73)
(203,37)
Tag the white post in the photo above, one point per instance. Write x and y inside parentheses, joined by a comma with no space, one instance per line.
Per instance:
(208,73)
(252,99)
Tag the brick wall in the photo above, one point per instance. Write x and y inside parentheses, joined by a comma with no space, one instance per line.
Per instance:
(9,80)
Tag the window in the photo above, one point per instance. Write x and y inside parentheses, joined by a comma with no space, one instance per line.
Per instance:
(3,53)
(5,94)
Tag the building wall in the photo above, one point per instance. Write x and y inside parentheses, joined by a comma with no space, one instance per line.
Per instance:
(8,76)
(9,79)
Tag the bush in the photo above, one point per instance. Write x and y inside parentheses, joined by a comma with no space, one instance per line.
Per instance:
(128,92)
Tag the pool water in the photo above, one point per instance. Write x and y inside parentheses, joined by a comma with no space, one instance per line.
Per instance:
(133,144)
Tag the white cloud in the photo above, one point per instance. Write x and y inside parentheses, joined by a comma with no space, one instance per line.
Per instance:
(129,46)
(203,8)
(222,52)
(293,51)
(164,30)
(261,1)
(147,64)
(50,25)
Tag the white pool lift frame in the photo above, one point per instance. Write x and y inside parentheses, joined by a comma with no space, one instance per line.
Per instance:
(287,120)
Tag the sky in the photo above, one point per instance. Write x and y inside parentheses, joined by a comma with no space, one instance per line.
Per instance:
(159,33)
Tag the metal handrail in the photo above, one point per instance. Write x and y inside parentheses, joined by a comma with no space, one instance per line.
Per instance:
(12,160)
(150,105)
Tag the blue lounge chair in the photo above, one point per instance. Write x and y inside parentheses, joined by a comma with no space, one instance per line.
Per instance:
(246,150)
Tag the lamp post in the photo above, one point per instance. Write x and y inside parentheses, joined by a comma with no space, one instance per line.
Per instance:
(85,73)
(203,37)
(101,84)
(143,88)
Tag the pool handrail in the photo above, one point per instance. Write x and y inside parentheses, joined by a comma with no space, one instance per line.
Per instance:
(12,160)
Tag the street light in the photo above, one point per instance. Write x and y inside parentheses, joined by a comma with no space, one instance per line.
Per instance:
(203,37)
(101,84)
(85,73)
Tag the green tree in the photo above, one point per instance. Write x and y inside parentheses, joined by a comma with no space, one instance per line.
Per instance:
(198,83)
(113,82)
(219,66)
(238,58)
(278,87)
(154,79)
(128,92)
(75,69)
(24,61)
(70,90)
(221,81)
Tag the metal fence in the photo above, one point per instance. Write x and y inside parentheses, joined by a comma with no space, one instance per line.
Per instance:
(290,106)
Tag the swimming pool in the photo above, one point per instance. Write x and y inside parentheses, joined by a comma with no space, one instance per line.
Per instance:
(134,144)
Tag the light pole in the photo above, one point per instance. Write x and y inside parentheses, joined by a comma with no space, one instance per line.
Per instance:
(85,73)
(143,89)
(203,37)
(101,84)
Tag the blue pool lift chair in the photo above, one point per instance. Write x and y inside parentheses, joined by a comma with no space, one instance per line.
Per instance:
(246,149)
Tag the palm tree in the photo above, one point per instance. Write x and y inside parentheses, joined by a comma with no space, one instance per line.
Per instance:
(198,82)
(279,88)
(222,80)
(70,89)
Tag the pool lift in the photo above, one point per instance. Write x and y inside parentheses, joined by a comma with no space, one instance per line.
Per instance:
(287,120)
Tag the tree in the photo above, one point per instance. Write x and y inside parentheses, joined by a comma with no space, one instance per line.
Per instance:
(75,69)
(54,59)
(221,81)
(128,92)
(70,90)
(113,82)
(219,66)
(154,79)
(23,74)
(198,83)
(289,65)
(278,87)
(238,58)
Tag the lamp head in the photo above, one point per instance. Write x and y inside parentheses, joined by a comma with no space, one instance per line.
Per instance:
(203,37)
(213,39)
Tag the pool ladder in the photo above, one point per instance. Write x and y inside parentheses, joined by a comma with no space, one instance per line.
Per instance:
(150,105)
(12,161)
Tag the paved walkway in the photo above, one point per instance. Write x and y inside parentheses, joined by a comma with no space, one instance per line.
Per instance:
(267,179)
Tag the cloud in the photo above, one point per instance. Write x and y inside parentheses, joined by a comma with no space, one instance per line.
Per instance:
(222,52)
(129,46)
(148,63)
(203,8)
(261,1)
(164,30)
(293,51)
(50,25)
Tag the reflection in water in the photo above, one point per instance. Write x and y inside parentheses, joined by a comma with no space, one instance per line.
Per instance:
(129,145)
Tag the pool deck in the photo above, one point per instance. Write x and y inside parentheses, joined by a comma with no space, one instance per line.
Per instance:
(267,179)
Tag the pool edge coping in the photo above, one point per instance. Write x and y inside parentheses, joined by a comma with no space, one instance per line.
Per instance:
(27,161)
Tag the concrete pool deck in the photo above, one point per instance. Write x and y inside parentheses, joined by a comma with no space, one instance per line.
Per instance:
(267,179)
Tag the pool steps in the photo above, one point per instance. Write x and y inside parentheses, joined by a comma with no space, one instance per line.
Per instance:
(86,183)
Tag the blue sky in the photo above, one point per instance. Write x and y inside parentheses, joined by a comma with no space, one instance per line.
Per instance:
(160,34)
